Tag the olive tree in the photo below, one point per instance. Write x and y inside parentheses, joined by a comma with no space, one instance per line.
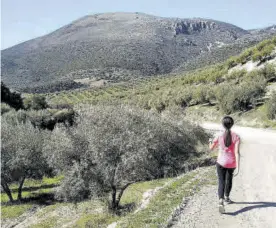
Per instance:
(111,147)
(21,154)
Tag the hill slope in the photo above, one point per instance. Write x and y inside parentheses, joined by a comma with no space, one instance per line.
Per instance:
(115,46)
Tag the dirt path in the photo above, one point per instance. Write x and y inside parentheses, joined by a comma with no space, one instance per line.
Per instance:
(254,189)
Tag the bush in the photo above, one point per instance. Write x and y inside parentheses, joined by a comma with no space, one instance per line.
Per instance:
(160,106)
(231,62)
(271,107)
(269,72)
(236,74)
(35,102)
(48,118)
(112,147)
(241,97)
(13,99)
(260,46)
(263,53)
(5,108)
(183,98)
(15,117)
(254,74)
(43,119)
(245,56)
(62,106)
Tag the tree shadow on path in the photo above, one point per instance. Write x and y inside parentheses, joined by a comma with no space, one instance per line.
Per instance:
(254,206)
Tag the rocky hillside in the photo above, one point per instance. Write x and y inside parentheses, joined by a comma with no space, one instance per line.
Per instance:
(121,46)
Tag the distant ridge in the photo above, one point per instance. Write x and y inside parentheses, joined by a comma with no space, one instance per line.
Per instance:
(121,46)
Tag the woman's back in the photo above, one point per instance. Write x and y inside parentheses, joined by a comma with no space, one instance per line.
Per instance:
(226,156)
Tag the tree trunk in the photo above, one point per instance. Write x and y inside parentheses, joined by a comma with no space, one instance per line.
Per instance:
(6,188)
(113,200)
(121,194)
(20,188)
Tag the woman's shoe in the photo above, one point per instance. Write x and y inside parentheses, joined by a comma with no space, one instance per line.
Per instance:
(228,201)
(221,206)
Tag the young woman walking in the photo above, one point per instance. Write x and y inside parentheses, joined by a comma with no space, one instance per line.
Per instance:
(228,160)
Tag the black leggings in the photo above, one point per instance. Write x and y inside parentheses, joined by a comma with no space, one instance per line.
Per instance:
(225,176)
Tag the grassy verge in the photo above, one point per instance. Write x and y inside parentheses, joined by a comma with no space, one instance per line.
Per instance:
(85,213)
(132,195)
(166,200)
(14,211)
(32,188)
(93,213)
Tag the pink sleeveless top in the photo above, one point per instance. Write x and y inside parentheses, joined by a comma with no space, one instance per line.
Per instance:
(226,156)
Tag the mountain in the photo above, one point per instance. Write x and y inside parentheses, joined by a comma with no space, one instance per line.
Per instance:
(116,46)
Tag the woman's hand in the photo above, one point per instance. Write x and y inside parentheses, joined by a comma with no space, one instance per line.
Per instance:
(237,172)
(211,144)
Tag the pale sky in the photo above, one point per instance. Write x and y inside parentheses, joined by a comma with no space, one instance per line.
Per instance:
(22,20)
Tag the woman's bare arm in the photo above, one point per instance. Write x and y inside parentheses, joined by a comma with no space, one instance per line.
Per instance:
(212,144)
(237,155)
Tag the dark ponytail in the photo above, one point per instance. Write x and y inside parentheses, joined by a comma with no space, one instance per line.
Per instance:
(227,122)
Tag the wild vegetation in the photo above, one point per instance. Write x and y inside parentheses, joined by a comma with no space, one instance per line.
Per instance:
(113,147)
(260,53)
(103,143)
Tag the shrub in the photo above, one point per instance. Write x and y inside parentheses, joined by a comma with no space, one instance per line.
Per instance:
(112,147)
(241,97)
(35,102)
(62,106)
(236,74)
(160,106)
(231,62)
(43,119)
(274,40)
(5,108)
(271,107)
(183,98)
(254,74)
(269,72)
(200,95)
(66,116)
(13,99)
(21,154)
(48,118)
(262,54)
(15,117)
(260,46)
(245,56)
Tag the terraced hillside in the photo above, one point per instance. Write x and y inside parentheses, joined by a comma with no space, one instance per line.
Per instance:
(243,80)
